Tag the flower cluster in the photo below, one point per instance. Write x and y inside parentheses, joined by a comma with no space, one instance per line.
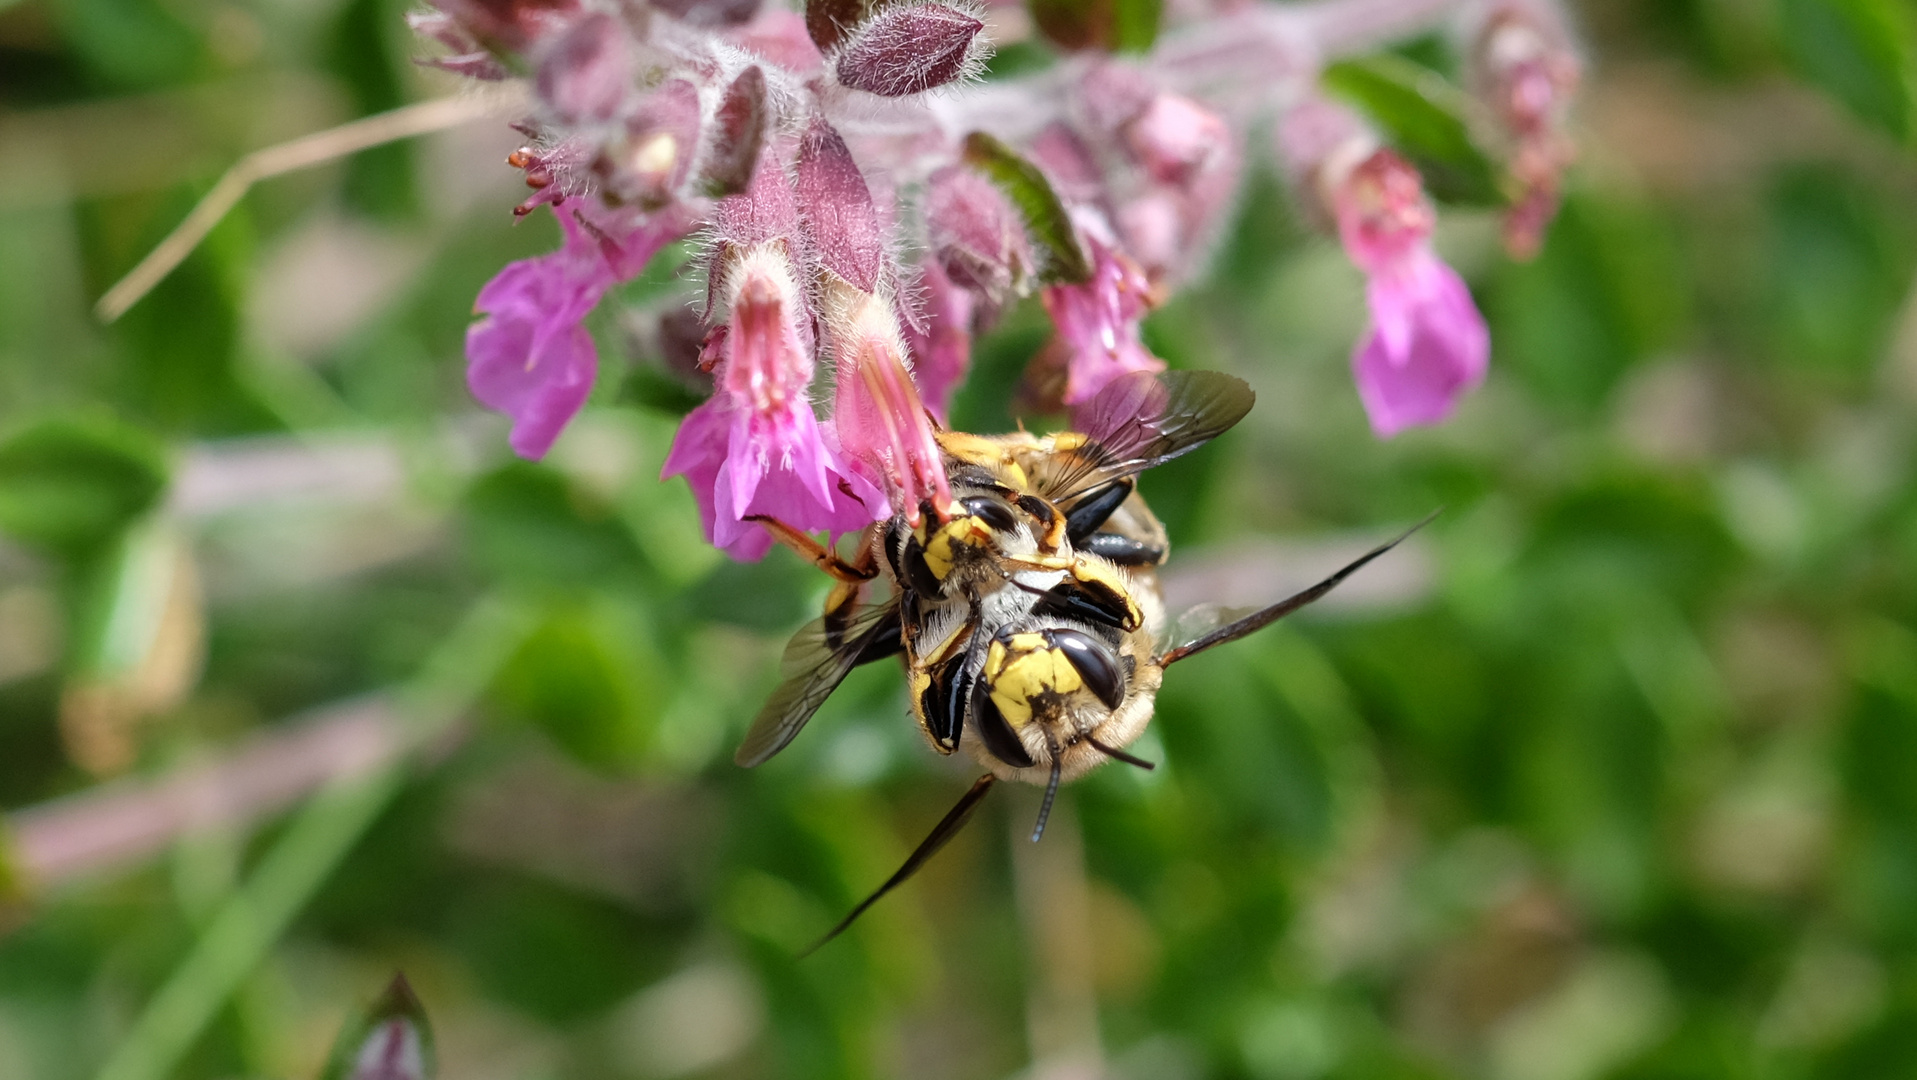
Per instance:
(860,215)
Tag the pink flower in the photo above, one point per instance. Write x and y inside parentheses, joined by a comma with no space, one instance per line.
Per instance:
(1098,323)
(531,357)
(942,354)
(879,415)
(1427,345)
(755,448)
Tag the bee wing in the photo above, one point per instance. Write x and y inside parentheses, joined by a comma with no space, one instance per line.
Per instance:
(1144,419)
(816,661)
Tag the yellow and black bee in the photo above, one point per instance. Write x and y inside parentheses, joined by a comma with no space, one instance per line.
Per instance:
(1028,612)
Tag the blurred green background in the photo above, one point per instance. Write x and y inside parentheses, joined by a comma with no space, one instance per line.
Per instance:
(1613,773)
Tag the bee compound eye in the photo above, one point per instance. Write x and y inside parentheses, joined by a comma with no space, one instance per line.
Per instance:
(996,515)
(1095,663)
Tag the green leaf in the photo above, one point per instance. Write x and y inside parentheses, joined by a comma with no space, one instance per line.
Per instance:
(1426,118)
(1864,52)
(1056,242)
(585,677)
(1111,25)
(69,484)
(392,1040)
(529,524)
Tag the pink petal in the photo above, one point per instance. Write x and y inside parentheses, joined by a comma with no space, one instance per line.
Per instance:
(1443,354)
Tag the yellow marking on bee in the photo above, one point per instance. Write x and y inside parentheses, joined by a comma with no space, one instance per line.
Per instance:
(1023,669)
(942,547)
(1064,442)
(987,453)
(1100,572)
(954,639)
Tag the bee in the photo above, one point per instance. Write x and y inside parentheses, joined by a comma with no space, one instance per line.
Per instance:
(1027,612)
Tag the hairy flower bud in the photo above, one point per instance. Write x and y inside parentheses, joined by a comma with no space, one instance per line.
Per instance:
(586,74)
(878,412)
(509,27)
(976,236)
(942,351)
(909,49)
(650,164)
(838,208)
(1174,138)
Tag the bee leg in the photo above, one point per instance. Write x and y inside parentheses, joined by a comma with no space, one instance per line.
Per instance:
(1122,550)
(818,554)
(1096,507)
(948,827)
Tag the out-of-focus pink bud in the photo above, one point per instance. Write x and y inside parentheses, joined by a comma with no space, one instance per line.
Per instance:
(1068,164)
(909,49)
(1174,138)
(465,55)
(738,132)
(877,409)
(755,448)
(650,164)
(1525,67)
(977,237)
(1382,211)
(1427,345)
(942,352)
(586,74)
(779,38)
(1318,142)
(838,208)
(509,26)
(1098,323)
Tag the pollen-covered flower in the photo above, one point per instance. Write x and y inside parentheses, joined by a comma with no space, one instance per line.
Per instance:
(531,357)
(877,411)
(755,448)
(1427,345)
(1097,323)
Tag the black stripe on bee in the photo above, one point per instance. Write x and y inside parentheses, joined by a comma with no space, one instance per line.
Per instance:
(944,701)
(996,515)
(1094,661)
(998,735)
(1095,508)
(1088,601)
(1122,550)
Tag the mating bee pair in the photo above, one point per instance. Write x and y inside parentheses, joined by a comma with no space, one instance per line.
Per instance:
(1028,612)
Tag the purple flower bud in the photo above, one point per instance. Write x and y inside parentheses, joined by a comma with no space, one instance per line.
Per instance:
(467,58)
(909,49)
(1525,69)
(838,208)
(650,164)
(509,26)
(738,132)
(586,74)
(1426,345)
(977,237)
(1174,138)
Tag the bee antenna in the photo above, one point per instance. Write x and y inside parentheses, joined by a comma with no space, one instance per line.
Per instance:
(1115,752)
(1045,808)
(947,828)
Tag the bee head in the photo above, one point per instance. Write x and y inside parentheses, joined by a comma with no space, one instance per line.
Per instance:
(1045,694)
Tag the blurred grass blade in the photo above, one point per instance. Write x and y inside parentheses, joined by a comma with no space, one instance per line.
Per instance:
(70,484)
(1863,52)
(403,123)
(319,836)
(392,1040)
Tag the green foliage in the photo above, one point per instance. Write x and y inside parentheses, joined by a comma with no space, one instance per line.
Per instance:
(1425,117)
(71,484)
(1060,259)
(1107,25)
(1864,52)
